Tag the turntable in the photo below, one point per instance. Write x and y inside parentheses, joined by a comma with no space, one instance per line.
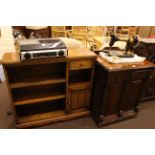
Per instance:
(42,48)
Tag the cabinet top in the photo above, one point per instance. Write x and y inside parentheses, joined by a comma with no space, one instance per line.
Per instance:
(128,66)
(80,54)
(13,57)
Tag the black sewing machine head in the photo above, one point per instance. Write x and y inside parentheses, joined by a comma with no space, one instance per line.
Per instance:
(131,44)
(113,40)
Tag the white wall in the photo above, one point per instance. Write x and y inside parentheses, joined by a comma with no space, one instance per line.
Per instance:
(6,45)
(6,39)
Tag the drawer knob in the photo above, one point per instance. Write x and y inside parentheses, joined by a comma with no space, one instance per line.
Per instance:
(101,117)
(137,109)
(120,113)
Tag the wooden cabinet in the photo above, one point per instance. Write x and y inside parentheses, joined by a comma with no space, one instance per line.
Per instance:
(146,48)
(80,83)
(117,90)
(48,90)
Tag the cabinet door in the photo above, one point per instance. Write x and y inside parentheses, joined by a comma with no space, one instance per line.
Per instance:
(79,98)
(149,88)
(133,94)
(114,92)
(112,99)
(134,89)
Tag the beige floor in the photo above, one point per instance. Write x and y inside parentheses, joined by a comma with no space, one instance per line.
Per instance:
(144,120)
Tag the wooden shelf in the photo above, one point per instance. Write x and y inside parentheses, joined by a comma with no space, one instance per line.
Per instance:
(39,98)
(37,83)
(49,117)
(36,72)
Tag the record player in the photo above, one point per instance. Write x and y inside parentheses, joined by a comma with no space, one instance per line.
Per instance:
(42,48)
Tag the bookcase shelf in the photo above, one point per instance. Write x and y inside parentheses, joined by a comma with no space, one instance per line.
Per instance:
(38,82)
(37,118)
(39,99)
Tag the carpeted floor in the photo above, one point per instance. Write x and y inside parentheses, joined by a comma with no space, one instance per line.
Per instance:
(144,120)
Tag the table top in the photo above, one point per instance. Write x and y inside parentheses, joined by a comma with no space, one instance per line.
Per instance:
(13,57)
(127,66)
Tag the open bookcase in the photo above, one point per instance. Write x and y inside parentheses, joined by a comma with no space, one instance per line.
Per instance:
(38,90)
(46,91)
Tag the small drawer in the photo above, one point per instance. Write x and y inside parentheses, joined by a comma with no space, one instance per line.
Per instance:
(82,64)
(140,75)
(118,77)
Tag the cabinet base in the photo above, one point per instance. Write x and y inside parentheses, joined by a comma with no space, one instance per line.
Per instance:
(113,118)
(148,98)
(52,119)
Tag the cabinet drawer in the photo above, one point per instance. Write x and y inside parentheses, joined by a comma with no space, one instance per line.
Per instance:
(81,64)
(140,75)
(118,77)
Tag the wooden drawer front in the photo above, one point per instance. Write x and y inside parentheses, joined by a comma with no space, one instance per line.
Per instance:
(140,75)
(82,64)
(118,77)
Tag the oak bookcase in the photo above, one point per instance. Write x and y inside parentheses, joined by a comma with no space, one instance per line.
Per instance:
(50,90)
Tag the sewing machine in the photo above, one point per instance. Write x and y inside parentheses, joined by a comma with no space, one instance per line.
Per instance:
(131,44)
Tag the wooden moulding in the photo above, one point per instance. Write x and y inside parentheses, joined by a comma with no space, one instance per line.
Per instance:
(114,118)
(79,85)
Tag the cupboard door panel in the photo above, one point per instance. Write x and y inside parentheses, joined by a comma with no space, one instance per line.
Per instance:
(113,98)
(79,98)
(133,96)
